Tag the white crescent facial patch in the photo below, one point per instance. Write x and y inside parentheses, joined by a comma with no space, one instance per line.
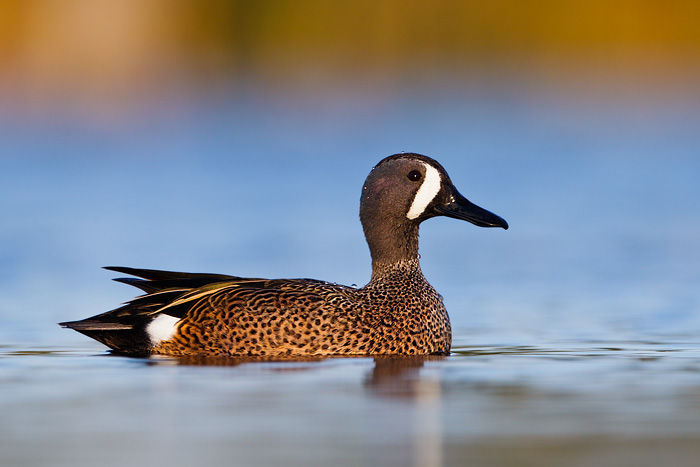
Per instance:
(426,193)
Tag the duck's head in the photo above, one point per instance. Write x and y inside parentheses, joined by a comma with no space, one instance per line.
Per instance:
(402,191)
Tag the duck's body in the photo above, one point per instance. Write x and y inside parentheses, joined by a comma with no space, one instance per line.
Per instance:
(397,312)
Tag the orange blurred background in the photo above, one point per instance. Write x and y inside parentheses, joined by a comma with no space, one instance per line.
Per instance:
(111,56)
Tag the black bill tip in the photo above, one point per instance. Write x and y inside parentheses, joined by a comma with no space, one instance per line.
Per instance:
(460,207)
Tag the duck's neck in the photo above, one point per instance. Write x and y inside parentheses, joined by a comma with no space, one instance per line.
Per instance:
(393,247)
(381,272)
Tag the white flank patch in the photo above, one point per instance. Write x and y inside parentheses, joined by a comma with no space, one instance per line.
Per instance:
(161,328)
(426,192)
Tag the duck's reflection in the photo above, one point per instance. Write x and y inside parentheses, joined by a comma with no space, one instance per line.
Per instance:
(405,379)
(396,376)
(391,376)
(296,363)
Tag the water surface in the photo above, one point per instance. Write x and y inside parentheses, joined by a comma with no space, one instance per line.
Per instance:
(587,404)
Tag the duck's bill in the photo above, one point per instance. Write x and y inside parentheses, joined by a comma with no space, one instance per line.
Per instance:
(461,208)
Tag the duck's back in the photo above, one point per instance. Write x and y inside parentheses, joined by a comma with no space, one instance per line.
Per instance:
(283,317)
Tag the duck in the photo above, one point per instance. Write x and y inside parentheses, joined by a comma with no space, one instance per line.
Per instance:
(396,313)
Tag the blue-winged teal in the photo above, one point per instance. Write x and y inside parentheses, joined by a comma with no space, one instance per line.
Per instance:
(397,312)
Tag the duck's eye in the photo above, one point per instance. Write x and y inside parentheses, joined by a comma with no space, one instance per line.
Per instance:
(414,175)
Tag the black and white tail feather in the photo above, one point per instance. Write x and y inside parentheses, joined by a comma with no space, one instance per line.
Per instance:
(167,293)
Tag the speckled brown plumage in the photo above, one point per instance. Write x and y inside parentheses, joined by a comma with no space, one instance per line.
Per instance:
(397,312)
(305,317)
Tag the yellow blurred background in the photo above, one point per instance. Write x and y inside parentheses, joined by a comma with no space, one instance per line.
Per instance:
(117,53)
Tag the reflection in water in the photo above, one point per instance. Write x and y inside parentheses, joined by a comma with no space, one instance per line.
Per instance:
(391,376)
(400,378)
(428,424)
(216,360)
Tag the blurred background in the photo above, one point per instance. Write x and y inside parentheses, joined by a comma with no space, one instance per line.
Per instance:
(106,59)
(234,136)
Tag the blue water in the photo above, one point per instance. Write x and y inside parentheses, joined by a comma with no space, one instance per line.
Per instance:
(577,331)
